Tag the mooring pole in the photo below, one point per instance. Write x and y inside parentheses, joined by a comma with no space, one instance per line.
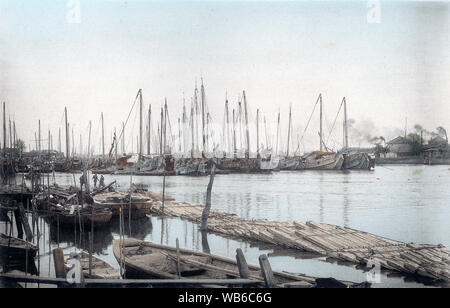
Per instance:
(207,208)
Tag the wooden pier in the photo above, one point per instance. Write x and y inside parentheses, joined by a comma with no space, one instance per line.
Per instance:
(340,243)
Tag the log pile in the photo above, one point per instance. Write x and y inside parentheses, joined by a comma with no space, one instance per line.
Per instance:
(340,243)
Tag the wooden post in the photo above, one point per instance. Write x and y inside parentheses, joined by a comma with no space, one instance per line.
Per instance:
(18,219)
(90,251)
(242,264)
(207,207)
(58,259)
(178,258)
(266,271)
(25,223)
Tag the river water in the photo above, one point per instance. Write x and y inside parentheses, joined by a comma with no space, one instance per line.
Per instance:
(409,203)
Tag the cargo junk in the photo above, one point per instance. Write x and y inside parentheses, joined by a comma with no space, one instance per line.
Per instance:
(188,151)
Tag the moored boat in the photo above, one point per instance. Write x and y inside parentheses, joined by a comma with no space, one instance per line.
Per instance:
(13,249)
(139,205)
(148,260)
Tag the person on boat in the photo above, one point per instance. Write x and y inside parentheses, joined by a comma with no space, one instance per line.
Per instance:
(102,181)
(95,178)
(81,181)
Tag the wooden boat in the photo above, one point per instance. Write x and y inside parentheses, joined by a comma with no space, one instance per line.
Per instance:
(100,216)
(15,249)
(362,161)
(140,205)
(100,269)
(291,163)
(148,260)
(324,161)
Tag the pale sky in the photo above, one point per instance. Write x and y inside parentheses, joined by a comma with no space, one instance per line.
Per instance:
(280,53)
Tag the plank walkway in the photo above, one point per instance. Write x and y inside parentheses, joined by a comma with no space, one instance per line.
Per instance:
(340,243)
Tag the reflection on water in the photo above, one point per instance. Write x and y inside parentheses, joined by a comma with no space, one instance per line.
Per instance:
(407,203)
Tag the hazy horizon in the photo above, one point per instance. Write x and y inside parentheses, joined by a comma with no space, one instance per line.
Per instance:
(280,53)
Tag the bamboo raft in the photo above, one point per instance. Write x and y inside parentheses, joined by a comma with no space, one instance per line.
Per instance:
(431,262)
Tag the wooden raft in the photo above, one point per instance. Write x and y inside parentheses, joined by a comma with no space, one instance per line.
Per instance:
(340,243)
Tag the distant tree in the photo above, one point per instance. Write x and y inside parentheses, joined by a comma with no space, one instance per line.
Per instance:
(416,143)
(377,140)
(20,144)
(442,132)
(379,148)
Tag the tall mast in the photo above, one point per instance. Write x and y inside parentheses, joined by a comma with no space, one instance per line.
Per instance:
(278,133)
(192,129)
(67,132)
(196,117)
(289,132)
(257,133)
(115,144)
(247,133)
(35,141)
(4,125)
(103,138)
(234,136)
(123,138)
(140,124)
(89,142)
(208,117)
(165,125)
(179,135)
(73,142)
(240,124)
(161,132)
(39,134)
(227,119)
(59,139)
(321,132)
(14,134)
(10,134)
(184,126)
(48,141)
(265,133)
(149,128)
(202,90)
(345,125)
